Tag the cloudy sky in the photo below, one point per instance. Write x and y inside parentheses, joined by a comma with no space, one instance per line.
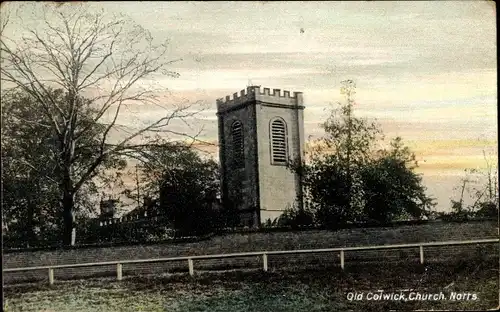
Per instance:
(426,71)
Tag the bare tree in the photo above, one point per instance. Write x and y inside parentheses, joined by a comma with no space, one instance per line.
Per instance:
(492,179)
(102,65)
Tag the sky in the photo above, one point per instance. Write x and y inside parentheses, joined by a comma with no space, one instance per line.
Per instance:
(426,71)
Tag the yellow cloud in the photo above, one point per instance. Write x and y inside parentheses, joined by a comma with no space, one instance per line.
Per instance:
(438,164)
(437,156)
(453,144)
(455,154)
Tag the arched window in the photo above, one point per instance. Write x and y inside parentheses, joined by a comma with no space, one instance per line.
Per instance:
(238,151)
(279,144)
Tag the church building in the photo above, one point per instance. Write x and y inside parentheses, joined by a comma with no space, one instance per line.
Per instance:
(259,133)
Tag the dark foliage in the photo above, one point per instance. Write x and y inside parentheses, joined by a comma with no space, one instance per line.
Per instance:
(32,199)
(346,180)
(185,187)
(295,218)
(391,189)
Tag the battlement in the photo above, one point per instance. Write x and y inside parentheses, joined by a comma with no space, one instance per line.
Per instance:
(254,93)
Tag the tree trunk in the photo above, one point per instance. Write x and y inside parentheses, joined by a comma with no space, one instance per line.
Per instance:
(462,195)
(349,146)
(67,206)
(68,199)
(67,186)
(30,224)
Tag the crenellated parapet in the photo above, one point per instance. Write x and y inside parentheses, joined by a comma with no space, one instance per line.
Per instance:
(254,93)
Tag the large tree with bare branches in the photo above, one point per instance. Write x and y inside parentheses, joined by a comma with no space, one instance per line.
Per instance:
(101,64)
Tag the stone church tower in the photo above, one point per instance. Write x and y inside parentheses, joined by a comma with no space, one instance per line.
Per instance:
(258,133)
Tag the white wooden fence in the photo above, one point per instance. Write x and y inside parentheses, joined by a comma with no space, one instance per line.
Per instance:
(264,254)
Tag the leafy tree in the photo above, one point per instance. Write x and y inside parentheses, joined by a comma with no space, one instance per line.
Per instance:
(391,189)
(350,140)
(30,168)
(100,65)
(29,194)
(326,191)
(185,183)
(348,180)
(331,181)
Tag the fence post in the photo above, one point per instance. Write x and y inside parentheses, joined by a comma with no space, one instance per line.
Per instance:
(342,259)
(264,261)
(119,275)
(421,254)
(191,267)
(51,276)
(73,235)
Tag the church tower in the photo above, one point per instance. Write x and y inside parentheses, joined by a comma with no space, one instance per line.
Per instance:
(259,132)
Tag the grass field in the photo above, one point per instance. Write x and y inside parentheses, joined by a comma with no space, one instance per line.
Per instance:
(315,290)
(229,243)
(257,242)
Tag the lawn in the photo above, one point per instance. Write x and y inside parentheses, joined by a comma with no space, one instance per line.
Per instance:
(303,290)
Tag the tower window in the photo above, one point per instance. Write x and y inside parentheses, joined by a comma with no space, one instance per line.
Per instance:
(279,148)
(238,150)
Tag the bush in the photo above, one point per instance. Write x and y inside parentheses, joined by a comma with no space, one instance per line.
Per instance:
(487,210)
(295,217)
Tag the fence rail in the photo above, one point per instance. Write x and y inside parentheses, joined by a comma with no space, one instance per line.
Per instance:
(264,254)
